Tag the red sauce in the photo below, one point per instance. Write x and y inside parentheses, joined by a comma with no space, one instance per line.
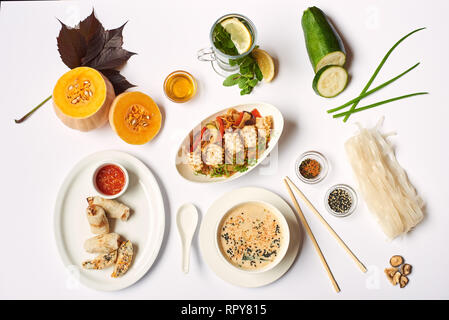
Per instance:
(110,180)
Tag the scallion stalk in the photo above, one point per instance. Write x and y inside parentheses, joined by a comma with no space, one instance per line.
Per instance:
(372,91)
(347,113)
(377,71)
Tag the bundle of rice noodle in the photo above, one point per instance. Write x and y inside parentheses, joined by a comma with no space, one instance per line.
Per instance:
(383,182)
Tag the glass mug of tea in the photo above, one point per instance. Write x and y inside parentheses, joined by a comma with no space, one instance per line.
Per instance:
(223,49)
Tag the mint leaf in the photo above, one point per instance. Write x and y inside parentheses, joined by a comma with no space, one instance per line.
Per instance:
(247,61)
(222,41)
(232,80)
(232,62)
(244,70)
(243,83)
(253,82)
(247,90)
(249,75)
(258,73)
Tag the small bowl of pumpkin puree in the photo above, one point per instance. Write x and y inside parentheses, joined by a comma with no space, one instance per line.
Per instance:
(253,236)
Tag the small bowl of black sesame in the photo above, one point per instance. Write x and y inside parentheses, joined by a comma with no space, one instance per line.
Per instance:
(340,200)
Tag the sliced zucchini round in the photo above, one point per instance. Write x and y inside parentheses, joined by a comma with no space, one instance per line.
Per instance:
(330,80)
(336,58)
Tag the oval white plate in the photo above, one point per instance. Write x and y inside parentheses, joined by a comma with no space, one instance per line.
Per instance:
(145,226)
(265,109)
(212,256)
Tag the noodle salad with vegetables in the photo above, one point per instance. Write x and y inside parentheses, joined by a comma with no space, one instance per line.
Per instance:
(231,143)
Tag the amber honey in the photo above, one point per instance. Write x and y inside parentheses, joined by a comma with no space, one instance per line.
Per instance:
(180,86)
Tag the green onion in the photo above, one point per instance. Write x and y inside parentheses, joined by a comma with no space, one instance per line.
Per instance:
(32,111)
(378,69)
(347,113)
(372,91)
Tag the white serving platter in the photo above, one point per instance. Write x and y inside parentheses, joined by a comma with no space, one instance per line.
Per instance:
(265,109)
(208,234)
(145,226)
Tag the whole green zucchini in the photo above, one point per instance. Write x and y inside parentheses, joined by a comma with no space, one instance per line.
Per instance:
(323,43)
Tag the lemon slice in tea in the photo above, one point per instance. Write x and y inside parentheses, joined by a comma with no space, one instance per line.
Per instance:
(265,62)
(240,35)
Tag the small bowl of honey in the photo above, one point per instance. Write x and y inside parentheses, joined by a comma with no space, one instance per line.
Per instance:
(180,86)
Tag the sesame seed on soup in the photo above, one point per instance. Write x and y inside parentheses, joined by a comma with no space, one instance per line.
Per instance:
(250,236)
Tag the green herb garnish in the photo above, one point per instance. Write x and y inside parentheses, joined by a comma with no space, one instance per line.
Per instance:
(248,77)
(222,41)
(249,72)
(241,168)
(228,169)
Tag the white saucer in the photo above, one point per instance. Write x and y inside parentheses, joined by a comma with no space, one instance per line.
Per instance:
(210,252)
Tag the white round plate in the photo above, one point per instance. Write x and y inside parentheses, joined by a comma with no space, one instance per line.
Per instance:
(145,226)
(265,109)
(216,262)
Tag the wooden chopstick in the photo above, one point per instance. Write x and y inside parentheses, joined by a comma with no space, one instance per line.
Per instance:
(329,228)
(312,237)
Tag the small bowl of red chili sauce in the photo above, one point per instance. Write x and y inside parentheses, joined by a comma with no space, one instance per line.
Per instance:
(110,179)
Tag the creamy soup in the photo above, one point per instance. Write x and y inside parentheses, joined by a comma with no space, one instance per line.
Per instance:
(250,236)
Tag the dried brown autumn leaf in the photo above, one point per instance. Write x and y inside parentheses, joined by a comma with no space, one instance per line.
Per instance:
(72,46)
(95,35)
(90,45)
(118,81)
(114,37)
(110,58)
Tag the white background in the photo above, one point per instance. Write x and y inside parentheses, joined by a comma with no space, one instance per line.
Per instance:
(37,155)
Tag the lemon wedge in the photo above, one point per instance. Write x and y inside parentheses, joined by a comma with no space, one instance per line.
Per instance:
(265,62)
(240,35)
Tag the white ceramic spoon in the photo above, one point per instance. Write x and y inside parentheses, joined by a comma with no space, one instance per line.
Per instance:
(186,220)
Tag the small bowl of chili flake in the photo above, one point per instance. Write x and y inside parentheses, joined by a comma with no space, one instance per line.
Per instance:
(110,180)
(311,167)
(340,200)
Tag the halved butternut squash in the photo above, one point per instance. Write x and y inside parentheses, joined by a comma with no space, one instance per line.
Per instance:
(82,98)
(135,117)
